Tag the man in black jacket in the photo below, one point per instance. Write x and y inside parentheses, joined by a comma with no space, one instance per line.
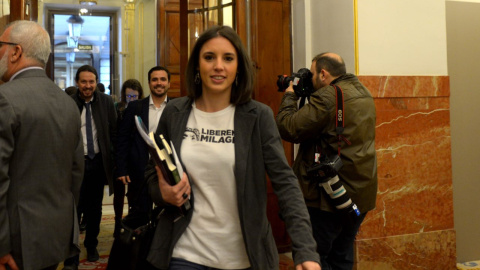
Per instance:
(99,120)
(132,153)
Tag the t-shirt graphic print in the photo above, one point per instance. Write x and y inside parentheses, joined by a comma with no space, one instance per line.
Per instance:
(213,238)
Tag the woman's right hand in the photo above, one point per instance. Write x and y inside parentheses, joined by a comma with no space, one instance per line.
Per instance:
(175,195)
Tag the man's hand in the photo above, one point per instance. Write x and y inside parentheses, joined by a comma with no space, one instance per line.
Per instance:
(290,88)
(124,179)
(175,195)
(308,265)
(8,260)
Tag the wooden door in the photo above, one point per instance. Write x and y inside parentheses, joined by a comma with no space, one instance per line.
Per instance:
(168,42)
(23,10)
(271,53)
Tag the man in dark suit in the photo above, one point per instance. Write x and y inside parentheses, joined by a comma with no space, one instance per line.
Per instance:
(132,154)
(98,118)
(41,156)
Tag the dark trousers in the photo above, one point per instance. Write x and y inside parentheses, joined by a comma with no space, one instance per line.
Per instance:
(118,199)
(335,234)
(91,197)
(138,198)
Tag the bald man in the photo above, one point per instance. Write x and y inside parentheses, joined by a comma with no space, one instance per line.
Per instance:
(41,156)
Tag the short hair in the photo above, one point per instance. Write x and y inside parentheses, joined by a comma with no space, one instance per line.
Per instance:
(156,68)
(33,39)
(71,90)
(134,85)
(86,68)
(242,92)
(335,66)
(101,87)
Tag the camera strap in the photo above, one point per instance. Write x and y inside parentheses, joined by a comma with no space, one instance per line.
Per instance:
(340,117)
(339,123)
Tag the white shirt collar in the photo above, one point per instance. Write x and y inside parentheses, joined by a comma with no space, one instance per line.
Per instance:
(151,101)
(22,70)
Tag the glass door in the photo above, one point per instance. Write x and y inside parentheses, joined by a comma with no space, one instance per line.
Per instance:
(82,40)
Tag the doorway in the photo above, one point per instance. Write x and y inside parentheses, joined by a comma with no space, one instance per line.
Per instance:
(82,39)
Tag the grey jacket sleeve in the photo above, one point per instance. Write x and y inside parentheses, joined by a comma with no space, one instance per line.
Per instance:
(78,167)
(290,199)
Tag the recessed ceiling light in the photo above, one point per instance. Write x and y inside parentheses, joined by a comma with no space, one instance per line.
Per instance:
(88,2)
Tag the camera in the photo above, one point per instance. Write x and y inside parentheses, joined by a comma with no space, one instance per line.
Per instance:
(325,174)
(302,82)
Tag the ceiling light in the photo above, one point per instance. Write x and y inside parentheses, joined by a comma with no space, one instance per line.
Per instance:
(70,57)
(88,2)
(72,42)
(74,26)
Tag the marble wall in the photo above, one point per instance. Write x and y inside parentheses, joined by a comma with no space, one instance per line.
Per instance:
(412,225)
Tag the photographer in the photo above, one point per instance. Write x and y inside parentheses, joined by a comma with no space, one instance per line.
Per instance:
(314,126)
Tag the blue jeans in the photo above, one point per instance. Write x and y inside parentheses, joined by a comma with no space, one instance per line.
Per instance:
(335,234)
(181,264)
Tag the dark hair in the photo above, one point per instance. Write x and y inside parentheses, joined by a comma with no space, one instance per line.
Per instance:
(86,68)
(242,92)
(335,66)
(71,90)
(158,68)
(101,87)
(134,85)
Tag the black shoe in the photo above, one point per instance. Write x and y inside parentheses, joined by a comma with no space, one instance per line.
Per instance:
(92,255)
(70,267)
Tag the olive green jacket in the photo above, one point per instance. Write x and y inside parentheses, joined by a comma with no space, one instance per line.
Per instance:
(315,123)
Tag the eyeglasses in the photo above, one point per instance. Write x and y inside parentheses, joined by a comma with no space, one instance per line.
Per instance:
(132,96)
(8,43)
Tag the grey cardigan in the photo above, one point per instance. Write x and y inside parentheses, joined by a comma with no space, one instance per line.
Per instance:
(258,150)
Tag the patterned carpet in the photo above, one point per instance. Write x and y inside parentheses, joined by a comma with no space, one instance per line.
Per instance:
(105,240)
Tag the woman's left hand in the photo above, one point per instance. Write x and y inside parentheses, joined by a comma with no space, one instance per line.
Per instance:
(175,195)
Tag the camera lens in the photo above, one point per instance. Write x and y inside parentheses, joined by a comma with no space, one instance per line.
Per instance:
(283,82)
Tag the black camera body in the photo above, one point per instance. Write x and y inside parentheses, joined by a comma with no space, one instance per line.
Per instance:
(326,169)
(302,82)
(325,174)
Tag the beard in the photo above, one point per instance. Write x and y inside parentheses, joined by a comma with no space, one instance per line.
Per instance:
(3,65)
(159,95)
